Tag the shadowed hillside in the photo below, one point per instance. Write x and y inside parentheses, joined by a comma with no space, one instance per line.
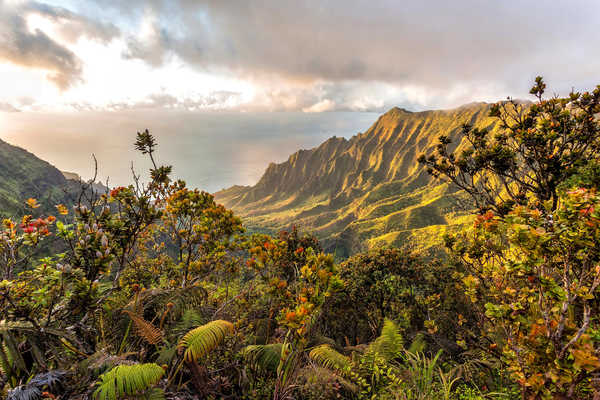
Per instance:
(365,191)
(24,175)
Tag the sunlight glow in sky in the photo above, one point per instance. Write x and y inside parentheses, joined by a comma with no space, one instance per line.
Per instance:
(288,56)
(211,77)
(110,81)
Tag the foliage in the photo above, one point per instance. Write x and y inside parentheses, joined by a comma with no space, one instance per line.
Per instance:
(537,148)
(541,285)
(130,380)
(329,358)
(201,340)
(201,229)
(157,291)
(33,390)
(530,263)
(263,356)
(419,294)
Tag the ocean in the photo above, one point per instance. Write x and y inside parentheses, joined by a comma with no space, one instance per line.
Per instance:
(209,150)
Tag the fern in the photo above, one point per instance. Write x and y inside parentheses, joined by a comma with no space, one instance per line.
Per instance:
(145,329)
(24,392)
(129,380)
(389,344)
(189,319)
(12,351)
(263,356)
(100,361)
(6,363)
(181,298)
(319,377)
(33,389)
(327,357)
(200,341)
(418,344)
(420,375)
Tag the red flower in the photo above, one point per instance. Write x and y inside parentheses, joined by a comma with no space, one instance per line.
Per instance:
(116,191)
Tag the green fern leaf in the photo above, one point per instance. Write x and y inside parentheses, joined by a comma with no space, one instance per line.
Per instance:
(128,380)
(327,357)
(417,345)
(389,344)
(200,341)
(263,356)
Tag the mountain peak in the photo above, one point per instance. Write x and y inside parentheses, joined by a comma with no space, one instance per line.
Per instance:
(397,111)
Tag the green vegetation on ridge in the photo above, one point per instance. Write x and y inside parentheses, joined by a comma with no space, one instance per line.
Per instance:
(159,293)
(366,191)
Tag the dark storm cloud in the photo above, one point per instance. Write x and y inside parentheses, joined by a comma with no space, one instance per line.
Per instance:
(35,49)
(429,43)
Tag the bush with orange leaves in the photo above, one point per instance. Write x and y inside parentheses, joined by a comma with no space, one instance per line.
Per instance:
(537,274)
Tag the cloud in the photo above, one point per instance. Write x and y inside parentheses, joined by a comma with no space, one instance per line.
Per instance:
(71,26)
(321,106)
(301,55)
(434,44)
(212,101)
(150,44)
(7,107)
(34,48)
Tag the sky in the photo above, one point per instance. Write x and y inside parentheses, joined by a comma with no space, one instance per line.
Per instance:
(258,65)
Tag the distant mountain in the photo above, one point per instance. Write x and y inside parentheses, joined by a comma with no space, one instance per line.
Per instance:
(75,180)
(24,175)
(365,191)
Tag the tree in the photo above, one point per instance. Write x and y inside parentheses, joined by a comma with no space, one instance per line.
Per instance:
(538,275)
(201,230)
(533,149)
(400,284)
(531,261)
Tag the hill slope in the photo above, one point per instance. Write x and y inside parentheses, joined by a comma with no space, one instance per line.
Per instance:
(364,191)
(23,175)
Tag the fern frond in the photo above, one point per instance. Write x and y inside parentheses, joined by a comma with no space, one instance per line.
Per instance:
(128,380)
(417,345)
(182,298)
(201,340)
(5,360)
(155,394)
(319,377)
(24,392)
(166,354)
(16,358)
(145,329)
(33,389)
(263,356)
(101,360)
(190,318)
(327,357)
(389,344)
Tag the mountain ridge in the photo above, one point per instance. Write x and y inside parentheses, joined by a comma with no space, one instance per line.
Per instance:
(24,175)
(363,191)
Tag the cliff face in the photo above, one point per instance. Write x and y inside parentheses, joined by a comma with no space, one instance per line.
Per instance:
(23,175)
(364,191)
